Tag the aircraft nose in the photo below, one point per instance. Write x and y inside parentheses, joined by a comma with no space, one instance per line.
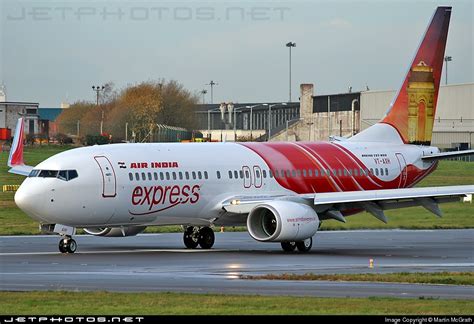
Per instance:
(28,199)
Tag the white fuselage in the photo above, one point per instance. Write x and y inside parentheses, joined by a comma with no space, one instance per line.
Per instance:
(173,183)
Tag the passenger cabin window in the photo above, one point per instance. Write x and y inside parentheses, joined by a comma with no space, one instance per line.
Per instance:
(174,175)
(149,176)
(143,176)
(155,176)
(162,176)
(230,174)
(187,175)
(194,175)
(199,175)
(218,174)
(236,174)
(137,176)
(264,173)
(180,175)
(130,176)
(205,175)
(386,171)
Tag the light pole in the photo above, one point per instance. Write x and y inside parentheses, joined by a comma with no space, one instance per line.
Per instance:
(270,117)
(97,90)
(212,84)
(203,92)
(209,121)
(447,59)
(290,45)
(251,117)
(235,120)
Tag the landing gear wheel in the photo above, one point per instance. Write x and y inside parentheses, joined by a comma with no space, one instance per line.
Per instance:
(190,239)
(71,246)
(305,246)
(288,246)
(67,245)
(206,237)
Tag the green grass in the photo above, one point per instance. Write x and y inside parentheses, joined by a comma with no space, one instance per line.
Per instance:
(443,278)
(104,303)
(456,215)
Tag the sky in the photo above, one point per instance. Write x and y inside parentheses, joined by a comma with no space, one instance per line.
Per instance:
(54,51)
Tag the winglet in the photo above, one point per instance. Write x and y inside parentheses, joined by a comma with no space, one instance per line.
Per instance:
(16,151)
(15,160)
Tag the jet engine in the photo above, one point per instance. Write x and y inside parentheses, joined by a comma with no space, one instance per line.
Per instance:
(115,231)
(279,221)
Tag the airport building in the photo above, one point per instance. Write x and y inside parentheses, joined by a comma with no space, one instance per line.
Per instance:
(317,117)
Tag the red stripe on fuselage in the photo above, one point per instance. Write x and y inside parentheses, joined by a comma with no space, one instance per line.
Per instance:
(324,156)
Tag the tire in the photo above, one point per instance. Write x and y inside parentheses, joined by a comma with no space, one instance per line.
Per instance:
(189,239)
(71,246)
(288,246)
(62,246)
(305,246)
(206,238)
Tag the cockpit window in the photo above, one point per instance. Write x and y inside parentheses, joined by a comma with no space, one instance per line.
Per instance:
(48,174)
(65,175)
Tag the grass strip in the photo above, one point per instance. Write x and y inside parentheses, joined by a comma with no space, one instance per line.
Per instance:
(444,278)
(107,303)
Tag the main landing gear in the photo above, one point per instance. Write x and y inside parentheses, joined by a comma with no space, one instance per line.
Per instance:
(67,245)
(194,236)
(302,246)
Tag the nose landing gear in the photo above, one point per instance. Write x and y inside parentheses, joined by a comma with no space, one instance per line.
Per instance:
(194,236)
(67,245)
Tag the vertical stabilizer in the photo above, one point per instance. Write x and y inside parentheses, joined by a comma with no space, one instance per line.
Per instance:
(413,109)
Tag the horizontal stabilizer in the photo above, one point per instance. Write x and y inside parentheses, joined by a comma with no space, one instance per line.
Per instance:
(447,155)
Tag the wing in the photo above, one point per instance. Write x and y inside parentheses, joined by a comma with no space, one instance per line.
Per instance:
(332,204)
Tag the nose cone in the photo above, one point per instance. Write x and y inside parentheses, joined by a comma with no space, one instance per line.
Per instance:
(29,199)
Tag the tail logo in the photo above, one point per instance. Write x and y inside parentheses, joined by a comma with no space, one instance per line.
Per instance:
(421,93)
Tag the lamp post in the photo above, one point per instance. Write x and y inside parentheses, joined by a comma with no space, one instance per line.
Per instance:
(270,117)
(235,120)
(212,84)
(209,121)
(97,90)
(447,59)
(290,45)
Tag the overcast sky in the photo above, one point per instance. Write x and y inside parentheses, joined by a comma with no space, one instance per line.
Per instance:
(54,51)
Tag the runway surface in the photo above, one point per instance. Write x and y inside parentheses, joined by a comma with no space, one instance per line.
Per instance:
(158,262)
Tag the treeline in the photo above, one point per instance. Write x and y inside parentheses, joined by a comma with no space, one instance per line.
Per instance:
(142,106)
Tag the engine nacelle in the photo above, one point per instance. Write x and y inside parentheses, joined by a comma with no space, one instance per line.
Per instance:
(115,231)
(279,221)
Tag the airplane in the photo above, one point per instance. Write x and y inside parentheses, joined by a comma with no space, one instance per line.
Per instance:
(281,191)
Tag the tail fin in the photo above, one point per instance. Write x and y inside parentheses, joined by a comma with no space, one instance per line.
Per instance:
(15,159)
(413,110)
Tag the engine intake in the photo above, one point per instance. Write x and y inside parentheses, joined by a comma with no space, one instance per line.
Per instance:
(279,221)
(115,231)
